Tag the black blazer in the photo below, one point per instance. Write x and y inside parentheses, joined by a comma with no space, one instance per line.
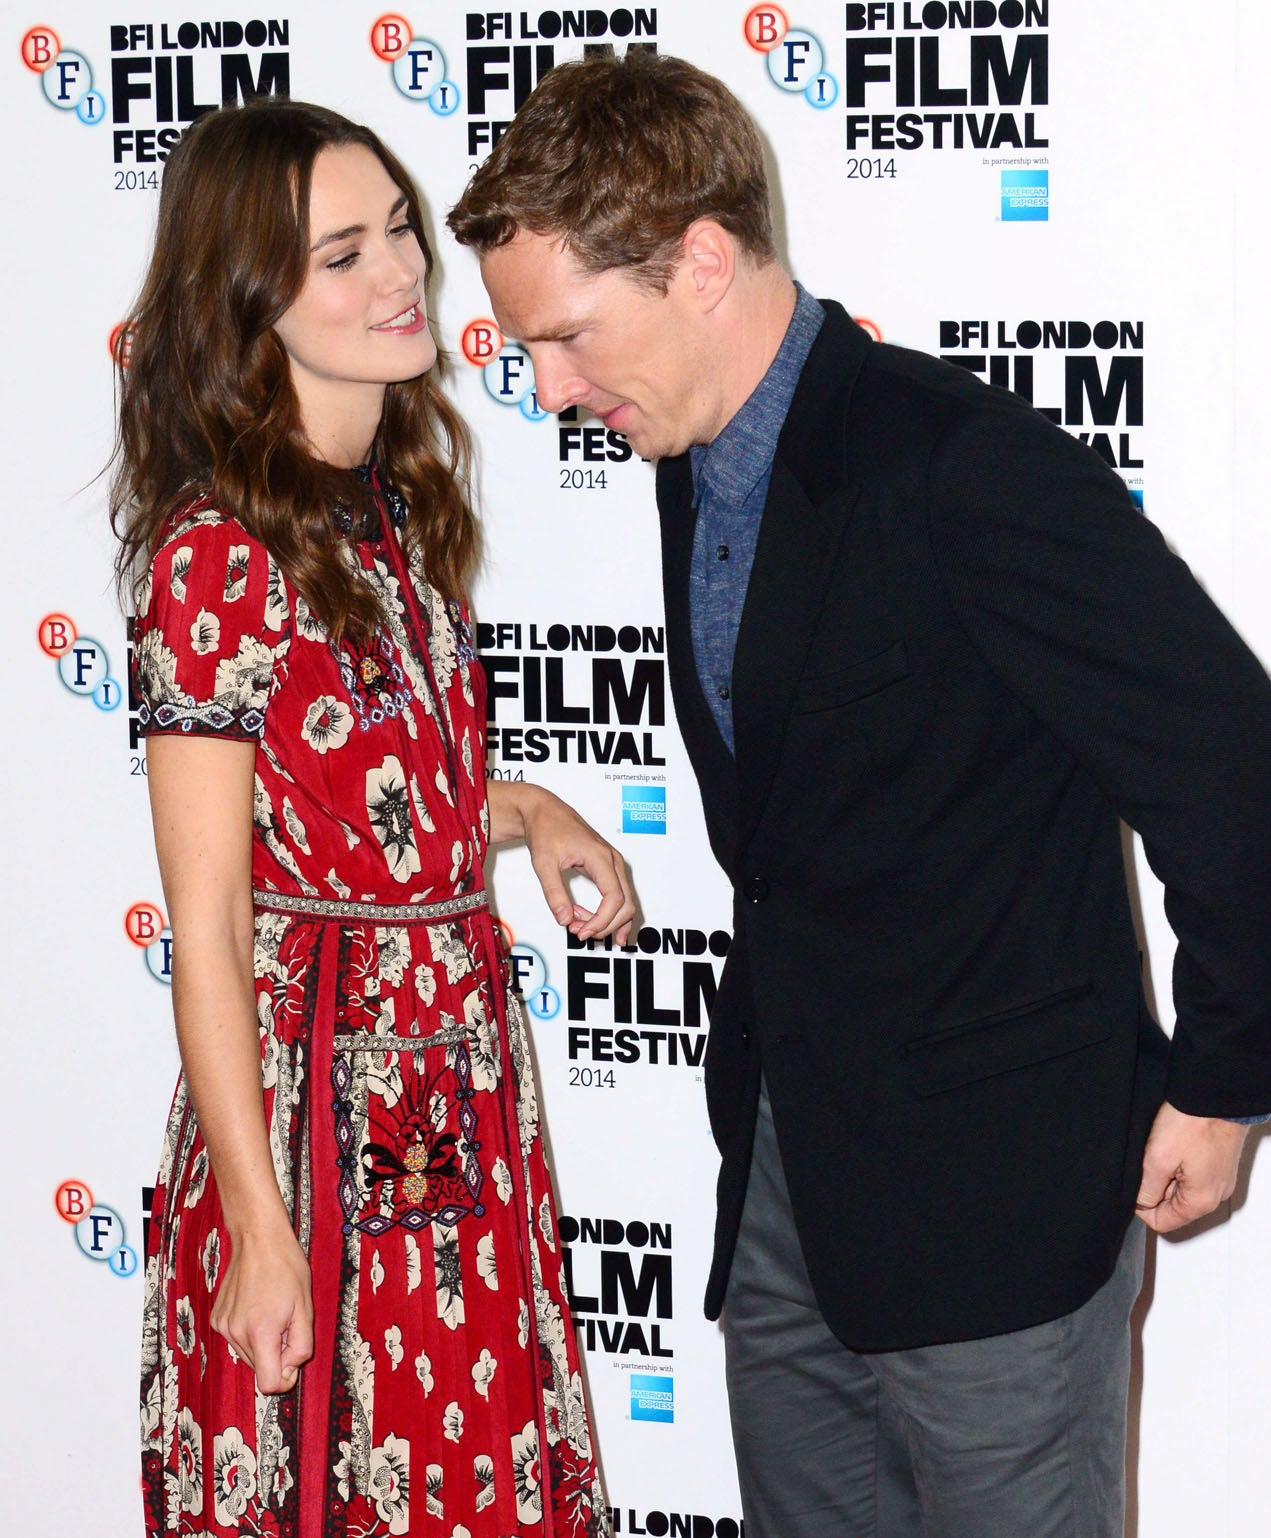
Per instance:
(964,656)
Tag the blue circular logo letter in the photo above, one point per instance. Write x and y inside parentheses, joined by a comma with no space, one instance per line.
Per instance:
(67,80)
(107,695)
(823,91)
(510,377)
(444,99)
(101,1233)
(84,665)
(420,69)
(544,1003)
(529,970)
(796,61)
(91,108)
(123,1261)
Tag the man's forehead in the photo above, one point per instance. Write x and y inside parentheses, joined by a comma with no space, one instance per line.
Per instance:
(537,284)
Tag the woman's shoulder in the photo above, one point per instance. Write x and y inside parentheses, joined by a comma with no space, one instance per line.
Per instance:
(205,557)
(198,521)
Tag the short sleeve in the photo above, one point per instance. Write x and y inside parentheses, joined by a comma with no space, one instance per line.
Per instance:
(210,631)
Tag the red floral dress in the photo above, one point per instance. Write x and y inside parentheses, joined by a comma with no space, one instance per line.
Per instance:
(444,1396)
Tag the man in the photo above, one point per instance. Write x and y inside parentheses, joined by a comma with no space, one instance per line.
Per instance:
(925,655)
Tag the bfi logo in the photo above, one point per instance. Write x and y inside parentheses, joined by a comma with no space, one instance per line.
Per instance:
(416,64)
(506,370)
(99,1230)
(82,663)
(793,55)
(66,76)
(528,975)
(146,927)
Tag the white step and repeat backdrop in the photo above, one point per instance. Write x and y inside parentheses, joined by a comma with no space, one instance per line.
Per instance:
(1061,195)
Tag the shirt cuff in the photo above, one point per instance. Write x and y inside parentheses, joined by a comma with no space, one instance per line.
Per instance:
(1248,1121)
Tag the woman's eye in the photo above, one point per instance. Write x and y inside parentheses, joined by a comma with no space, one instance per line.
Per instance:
(341,264)
(403,229)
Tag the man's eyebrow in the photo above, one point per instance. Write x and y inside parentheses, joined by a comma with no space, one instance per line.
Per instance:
(354,229)
(558,333)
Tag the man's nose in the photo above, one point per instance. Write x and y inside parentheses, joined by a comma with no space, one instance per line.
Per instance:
(554,383)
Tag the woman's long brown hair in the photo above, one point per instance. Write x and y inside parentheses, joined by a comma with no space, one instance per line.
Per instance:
(206,404)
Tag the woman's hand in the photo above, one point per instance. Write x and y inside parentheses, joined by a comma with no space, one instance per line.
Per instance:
(264,1308)
(559,840)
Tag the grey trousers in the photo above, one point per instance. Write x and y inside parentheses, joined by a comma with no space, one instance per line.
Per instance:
(1016,1436)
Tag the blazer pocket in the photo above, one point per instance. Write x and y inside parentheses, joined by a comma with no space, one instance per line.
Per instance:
(1030,1032)
(855,682)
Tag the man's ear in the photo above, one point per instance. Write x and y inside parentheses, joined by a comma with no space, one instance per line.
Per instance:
(709,262)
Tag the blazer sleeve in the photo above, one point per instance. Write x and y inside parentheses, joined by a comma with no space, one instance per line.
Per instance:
(1074,600)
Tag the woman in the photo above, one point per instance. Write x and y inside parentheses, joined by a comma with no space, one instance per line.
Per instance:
(355,1320)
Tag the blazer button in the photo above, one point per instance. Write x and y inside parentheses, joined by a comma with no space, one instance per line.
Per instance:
(745,1036)
(756,889)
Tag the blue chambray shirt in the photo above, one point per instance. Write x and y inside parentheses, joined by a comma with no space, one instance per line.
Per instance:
(730,486)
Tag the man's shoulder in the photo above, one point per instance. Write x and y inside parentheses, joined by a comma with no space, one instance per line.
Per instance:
(878,413)
(930,387)
(899,394)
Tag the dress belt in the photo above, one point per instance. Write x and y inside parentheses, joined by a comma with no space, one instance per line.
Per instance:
(380,913)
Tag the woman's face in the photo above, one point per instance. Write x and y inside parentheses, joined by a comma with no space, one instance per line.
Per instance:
(358,323)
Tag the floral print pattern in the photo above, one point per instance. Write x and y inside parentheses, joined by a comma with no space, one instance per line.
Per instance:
(445,1394)
(389,812)
(327,723)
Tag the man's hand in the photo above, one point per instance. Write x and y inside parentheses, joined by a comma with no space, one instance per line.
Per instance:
(1189,1168)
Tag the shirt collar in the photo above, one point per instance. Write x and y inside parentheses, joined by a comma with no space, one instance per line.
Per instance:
(730,466)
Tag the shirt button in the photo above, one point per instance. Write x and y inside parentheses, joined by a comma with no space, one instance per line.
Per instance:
(724,691)
(722,552)
(756,889)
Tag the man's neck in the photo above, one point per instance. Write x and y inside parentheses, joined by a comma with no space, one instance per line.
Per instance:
(761,304)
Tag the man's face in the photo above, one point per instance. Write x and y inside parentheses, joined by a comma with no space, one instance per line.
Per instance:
(634,358)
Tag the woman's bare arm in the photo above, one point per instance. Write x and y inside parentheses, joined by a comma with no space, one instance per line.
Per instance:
(201,802)
(560,841)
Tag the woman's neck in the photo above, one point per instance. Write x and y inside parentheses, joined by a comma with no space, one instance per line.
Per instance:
(340,424)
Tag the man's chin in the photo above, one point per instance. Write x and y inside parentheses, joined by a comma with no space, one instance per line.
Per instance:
(652,446)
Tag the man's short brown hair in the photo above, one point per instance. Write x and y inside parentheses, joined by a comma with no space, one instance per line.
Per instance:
(619,156)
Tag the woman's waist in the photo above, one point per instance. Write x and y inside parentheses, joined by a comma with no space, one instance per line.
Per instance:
(429,907)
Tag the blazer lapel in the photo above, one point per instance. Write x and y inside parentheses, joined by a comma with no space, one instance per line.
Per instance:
(712,762)
(809,505)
